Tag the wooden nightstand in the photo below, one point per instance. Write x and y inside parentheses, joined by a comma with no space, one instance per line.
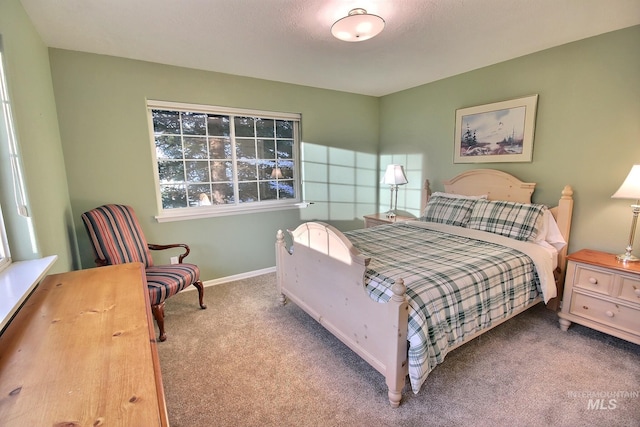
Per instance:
(602,293)
(381,218)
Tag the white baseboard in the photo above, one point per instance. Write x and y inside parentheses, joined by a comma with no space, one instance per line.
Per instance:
(233,278)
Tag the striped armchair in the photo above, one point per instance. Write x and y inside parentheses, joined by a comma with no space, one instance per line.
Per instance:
(117,238)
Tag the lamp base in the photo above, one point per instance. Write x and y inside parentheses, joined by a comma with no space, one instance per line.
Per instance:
(391,214)
(627,258)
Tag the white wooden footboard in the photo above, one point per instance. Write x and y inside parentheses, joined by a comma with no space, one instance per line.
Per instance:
(324,275)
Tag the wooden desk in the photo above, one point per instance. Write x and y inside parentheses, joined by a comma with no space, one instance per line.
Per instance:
(82,352)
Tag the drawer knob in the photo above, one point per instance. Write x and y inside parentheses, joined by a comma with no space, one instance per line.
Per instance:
(637,291)
(593,280)
(609,313)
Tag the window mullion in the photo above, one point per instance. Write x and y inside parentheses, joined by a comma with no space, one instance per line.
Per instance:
(184,161)
(255,160)
(234,160)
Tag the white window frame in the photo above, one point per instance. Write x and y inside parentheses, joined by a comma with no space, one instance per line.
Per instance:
(176,214)
(5,253)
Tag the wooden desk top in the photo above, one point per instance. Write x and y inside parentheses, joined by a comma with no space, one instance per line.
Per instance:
(81,352)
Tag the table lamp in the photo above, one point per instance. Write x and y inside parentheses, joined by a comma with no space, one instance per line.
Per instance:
(630,189)
(394,176)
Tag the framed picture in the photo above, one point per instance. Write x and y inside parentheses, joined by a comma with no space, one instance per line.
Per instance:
(498,132)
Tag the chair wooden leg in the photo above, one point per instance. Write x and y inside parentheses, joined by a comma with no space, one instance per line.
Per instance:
(200,288)
(158,314)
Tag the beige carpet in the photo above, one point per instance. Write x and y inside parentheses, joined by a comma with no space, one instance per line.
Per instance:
(247,361)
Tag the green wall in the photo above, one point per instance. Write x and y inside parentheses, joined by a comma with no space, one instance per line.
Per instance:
(107,148)
(36,124)
(587,129)
(82,127)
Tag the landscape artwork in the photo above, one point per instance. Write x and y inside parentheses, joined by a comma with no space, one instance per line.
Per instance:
(498,132)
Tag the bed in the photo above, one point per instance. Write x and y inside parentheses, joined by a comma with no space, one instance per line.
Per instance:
(395,293)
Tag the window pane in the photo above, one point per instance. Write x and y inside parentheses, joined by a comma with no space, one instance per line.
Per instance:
(194,123)
(285,148)
(266,149)
(244,126)
(221,171)
(173,196)
(218,125)
(171,171)
(286,189)
(168,147)
(247,171)
(248,192)
(286,169)
(199,195)
(265,128)
(267,170)
(219,148)
(245,149)
(284,129)
(195,148)
(198,171)
(268,190)
(222,194)
(166,122)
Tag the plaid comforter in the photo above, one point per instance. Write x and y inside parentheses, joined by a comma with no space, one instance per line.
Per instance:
(457,285)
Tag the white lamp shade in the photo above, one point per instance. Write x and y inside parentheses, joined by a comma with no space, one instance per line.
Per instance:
(394,175)
(357,26)
(630,188)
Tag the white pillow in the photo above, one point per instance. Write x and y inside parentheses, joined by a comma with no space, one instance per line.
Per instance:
(549,232)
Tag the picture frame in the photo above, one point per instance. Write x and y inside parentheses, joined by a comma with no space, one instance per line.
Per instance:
(495,133)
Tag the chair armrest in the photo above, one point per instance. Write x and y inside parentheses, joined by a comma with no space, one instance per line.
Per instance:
(175,245)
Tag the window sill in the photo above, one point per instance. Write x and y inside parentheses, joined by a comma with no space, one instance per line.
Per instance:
(16,283)
(206,213)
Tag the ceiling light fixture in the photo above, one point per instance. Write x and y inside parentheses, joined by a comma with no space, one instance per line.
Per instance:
(358,26)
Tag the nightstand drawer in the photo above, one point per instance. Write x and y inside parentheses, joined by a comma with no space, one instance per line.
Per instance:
(616,315)
(593,279)
(371,222)
(630,289)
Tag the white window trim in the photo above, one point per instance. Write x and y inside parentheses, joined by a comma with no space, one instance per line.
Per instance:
(181,214)
(17,282)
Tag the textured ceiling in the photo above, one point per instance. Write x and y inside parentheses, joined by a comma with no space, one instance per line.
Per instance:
(290,40)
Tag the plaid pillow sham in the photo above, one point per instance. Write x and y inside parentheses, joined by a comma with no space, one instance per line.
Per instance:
(516,220)
(448,210)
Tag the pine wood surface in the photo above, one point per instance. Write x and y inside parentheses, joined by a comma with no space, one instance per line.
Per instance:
(81,352)
(606,260)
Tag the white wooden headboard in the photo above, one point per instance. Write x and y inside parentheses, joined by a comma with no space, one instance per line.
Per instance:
(495,184)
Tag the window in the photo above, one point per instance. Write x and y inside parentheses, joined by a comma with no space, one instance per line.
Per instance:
(6,133)
(216,161)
